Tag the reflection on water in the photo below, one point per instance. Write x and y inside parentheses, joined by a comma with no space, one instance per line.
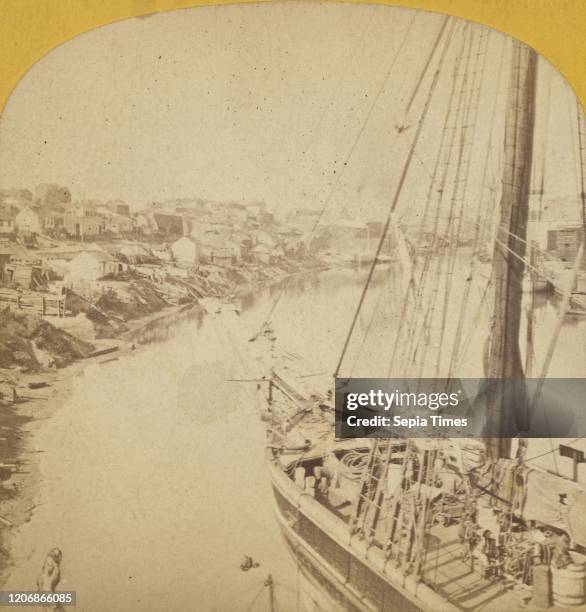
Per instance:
(162,328)
(153,468)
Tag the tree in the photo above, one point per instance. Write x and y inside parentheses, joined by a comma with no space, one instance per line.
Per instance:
(50,194)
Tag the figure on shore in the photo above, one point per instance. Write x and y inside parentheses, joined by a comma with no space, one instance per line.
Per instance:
(51,572)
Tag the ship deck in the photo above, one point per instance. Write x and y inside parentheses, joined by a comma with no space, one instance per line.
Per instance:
(459,581)
(444,570)
(454,579)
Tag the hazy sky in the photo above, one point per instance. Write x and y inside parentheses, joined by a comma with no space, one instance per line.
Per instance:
(244,102)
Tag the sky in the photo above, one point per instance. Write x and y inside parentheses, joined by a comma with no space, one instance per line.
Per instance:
(294,103)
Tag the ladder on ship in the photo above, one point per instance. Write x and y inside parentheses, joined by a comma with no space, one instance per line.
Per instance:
(407,508)
(368,506)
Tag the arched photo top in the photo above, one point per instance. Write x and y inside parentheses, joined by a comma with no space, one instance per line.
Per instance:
(302,103)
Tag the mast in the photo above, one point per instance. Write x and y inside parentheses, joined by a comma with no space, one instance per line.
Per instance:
(270,583)
(507,412)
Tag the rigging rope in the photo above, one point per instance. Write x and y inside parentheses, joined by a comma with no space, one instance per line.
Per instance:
(582,160)
(461,180)
(479,223)
(419,328)
(406,167)
(445,150)
(356,140)
(251,604)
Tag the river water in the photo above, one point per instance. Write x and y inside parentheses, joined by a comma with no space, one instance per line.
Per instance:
(153,482)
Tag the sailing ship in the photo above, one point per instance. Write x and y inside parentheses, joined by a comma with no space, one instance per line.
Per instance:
(437,524)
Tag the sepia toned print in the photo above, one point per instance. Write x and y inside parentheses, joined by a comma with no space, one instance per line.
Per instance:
(209,215)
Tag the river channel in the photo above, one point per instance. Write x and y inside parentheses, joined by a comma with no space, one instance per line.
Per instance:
(153,482)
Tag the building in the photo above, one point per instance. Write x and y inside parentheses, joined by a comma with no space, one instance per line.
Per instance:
(257,215)
(57,268)
(244,242)
(564,242)
(144,223)
(219,250)
(29,220)
(54,217)
(236,250)
(114,222)
(83,222)
(186,251)
(21,268)
(168,225)
(37,219)
(6,251)
(92,265)
(7,223)
(119,207)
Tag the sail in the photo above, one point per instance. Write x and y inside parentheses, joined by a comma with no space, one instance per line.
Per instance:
(506,412)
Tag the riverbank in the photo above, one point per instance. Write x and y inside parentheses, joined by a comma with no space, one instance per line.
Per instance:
(40,387)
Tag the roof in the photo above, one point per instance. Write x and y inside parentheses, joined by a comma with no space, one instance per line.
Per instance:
(166,221)
(32,208)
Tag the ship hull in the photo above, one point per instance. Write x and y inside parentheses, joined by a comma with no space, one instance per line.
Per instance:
(319,588)
(352,576)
